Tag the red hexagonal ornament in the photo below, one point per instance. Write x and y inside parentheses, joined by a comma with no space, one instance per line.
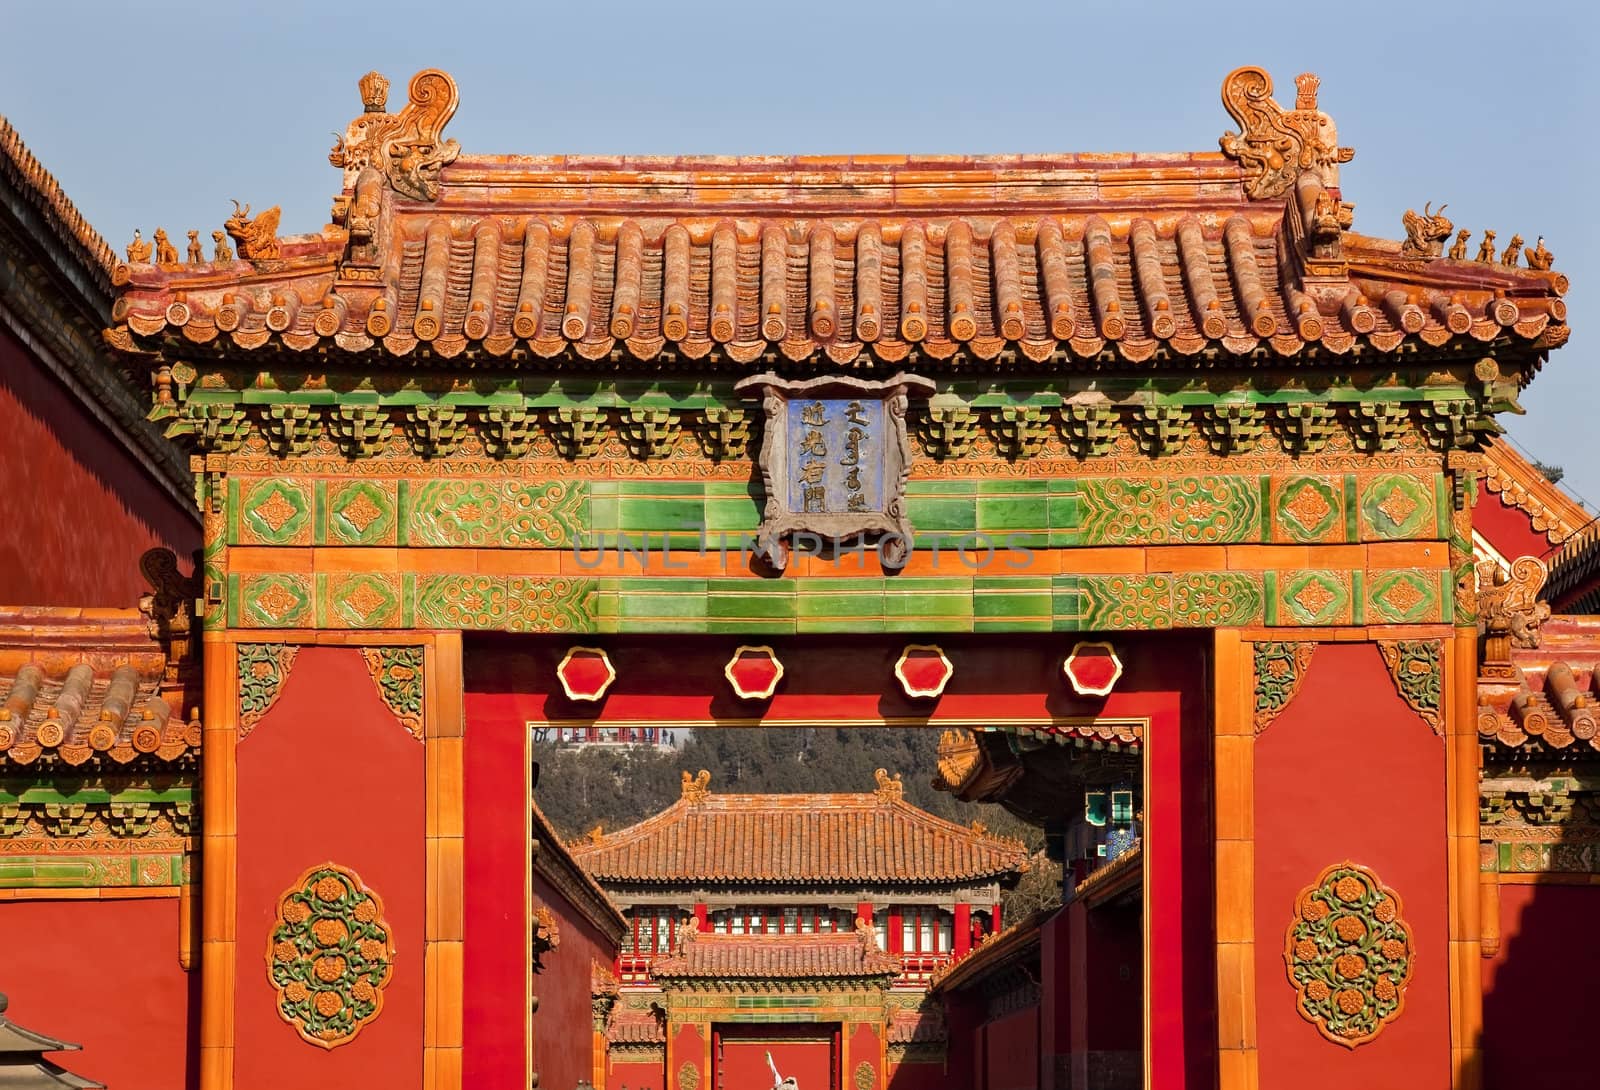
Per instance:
(1092,667)
(923,670)
(754,672)
(586,673)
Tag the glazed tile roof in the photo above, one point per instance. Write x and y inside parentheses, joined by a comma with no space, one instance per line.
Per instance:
(553,861)
(28,178)
(744,261)
(1552,511)
(635,1028)
(998,949)
(1113,880)
(1549,699)
(82,685)
(776,957)
(22,1062)
(55,284)
(799,839)
(918,1025)
(1574,583)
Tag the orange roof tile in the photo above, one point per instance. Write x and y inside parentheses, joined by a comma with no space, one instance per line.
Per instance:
(800,839)
(635,1028)
(1574,583)
(997,950)
(87,685)
(1549,699)
(918,1025)
(735,261)
(1114,879)
(776,957)
(40,188)
(553,861)
(1553,512)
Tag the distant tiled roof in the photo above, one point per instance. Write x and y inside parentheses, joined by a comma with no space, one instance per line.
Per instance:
(810,839)
(776,957)
(55,280)
(732,261)
(998,949)
(635,1028)
(1574,583)
(918,1025)
(79,685)
(1519,483)
(553,861)
(1114,879)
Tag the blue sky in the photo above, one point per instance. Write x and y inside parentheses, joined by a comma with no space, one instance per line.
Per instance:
(157,113)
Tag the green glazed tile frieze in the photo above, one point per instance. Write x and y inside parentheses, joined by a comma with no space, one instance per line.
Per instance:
(969,598)
(1060,512)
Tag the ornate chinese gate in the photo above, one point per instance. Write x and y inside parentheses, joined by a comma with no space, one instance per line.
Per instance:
(502,395)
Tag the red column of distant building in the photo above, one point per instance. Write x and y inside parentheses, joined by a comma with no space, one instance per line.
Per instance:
(963,929)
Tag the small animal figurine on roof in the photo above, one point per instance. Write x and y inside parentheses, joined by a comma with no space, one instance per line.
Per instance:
(166,252)
(139,249)
(257,238)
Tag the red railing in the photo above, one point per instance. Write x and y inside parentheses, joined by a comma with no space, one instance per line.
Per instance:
(914,968)
(917,968)
(634,968)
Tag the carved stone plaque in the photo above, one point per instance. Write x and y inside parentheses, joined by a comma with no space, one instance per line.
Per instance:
(834,459)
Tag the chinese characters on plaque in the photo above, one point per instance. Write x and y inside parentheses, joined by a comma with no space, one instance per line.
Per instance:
(836,464)
(834,459)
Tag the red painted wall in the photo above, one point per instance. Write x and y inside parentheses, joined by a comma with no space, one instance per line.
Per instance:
(329,774)
(1536,1019)
(494,969)
(563,1041)
(1011,1051)
(1106,1030)
(921,1076)
(105,975)
(1348,771)
(963,1013)
(1509,529)
(495,1033)
(865,1043)
(1055,1001)
(689,1046)
(636,1076)
(87,510)
(804,1053)
(1165,679)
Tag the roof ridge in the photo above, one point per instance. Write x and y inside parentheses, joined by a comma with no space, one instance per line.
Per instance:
(72,225)
(1511,475)
(739,842)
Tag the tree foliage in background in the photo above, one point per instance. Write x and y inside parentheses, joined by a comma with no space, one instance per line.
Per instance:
(1551,473)
(616,786)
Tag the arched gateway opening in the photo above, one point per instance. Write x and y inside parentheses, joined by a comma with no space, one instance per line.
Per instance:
(1014,730)
(1132,467)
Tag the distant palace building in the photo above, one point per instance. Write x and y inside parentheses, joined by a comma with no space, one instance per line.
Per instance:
(591,735)
(828,913)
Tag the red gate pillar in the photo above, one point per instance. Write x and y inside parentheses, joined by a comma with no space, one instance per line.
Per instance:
(1346,855)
